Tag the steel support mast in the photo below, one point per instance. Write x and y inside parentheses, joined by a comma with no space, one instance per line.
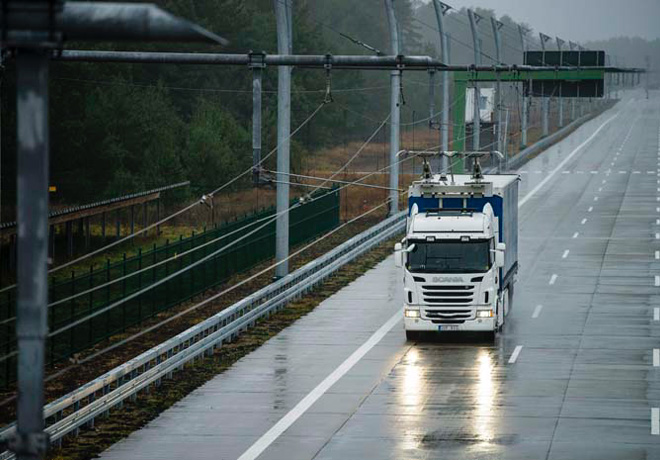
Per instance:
(257,65)
(545,101)
(524,116)
(497,25)
(395,108)
(284,47)
(476,116)
(440,11)
(31,30)
(560,101)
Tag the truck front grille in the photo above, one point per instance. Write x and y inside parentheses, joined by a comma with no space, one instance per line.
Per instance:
(448,295)
(449,316)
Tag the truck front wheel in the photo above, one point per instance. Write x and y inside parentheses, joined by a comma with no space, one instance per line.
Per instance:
(412,336)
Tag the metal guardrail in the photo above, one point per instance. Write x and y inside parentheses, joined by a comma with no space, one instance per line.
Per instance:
(83,207)
(81,407)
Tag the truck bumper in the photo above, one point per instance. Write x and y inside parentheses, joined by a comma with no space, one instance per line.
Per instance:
(419,324)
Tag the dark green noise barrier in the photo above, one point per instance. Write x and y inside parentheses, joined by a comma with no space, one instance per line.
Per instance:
(306,222)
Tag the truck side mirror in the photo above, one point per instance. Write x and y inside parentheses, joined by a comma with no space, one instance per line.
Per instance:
(398,255)
(499,259)
(499,254)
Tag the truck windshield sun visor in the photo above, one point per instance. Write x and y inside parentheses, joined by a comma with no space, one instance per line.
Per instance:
(450,257)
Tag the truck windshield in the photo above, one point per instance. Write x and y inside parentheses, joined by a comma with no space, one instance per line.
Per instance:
(450,257)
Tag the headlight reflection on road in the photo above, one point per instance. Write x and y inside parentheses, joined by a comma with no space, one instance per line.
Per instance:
(484,399)
(411,400)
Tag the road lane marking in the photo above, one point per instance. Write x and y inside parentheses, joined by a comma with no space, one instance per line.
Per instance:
(595,198)
(560,166)
(604,181)
(656,357)
(600,189)
(584,221)
(657,222)
(657,236)
(591,208)
(657,255)
(565,254)
(576,234)
(514,355)
(553,278)
(294,414)
(656,314)
(537,311)
(657,280)
(655,421)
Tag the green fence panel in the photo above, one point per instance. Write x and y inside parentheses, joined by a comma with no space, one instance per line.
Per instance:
(306,222)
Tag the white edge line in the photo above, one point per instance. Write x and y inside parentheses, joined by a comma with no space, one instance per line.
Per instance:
(514,355)
(285,422)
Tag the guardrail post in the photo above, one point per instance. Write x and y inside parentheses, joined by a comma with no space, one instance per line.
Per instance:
(68,230)
(87,233)
(76,407)
(132,376)
(90,306)
(106,390)
(72,310)
(123,288)
(117,225)
(139,299)
(90,400)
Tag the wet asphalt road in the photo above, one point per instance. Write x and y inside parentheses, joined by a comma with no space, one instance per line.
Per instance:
(572,377)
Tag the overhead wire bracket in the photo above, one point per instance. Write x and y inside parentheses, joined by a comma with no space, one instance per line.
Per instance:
(328,79)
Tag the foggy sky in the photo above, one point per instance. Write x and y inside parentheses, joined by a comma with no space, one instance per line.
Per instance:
(579,20)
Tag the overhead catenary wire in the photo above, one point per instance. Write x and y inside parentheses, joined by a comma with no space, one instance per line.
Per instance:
(9,355)
(196,263)
(130,275)
(205,301)
(180,211)
(355,155)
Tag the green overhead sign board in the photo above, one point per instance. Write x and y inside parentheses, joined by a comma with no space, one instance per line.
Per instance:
(565,87)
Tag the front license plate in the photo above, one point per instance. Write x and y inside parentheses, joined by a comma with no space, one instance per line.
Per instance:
(447,328)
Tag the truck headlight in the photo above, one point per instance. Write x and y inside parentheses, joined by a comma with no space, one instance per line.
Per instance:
(412,313)
(485,314)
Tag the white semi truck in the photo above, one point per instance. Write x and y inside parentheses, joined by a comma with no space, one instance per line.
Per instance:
(460,252)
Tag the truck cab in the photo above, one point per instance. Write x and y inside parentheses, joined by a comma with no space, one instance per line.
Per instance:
(459,255)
